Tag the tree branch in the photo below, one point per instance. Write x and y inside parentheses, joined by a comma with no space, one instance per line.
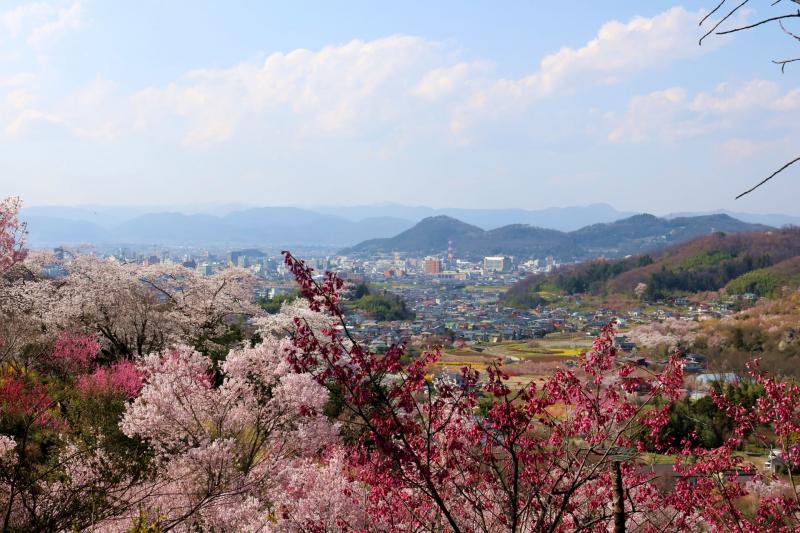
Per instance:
(783,63)
(784,167)
(723,19)
(710,13)
(759,23)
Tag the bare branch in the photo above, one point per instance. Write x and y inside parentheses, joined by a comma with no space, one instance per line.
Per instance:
(783,63)
(722,3)
(787,32)
(759,23)
(784,167)
(723,19)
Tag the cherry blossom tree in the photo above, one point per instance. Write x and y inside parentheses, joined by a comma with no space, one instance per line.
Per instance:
(14,330)
(202,307)
(640,290)
(12,234)
(222,451)
(670,333)
(138,310)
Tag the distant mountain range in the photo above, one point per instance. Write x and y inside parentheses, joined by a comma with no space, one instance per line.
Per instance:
(632,235)
(268,226)
(560,218)
(236,225)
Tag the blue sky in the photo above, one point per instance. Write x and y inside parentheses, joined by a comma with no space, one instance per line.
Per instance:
(468,104)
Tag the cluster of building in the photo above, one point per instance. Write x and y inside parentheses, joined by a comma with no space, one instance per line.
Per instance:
(446,267)
(453,299)
(268,264)
(448,312)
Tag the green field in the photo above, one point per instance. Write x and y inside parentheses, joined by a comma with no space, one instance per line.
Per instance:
(486,288)
(536,349)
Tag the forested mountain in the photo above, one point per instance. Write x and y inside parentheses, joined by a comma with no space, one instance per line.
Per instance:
(758,262)
(632,235)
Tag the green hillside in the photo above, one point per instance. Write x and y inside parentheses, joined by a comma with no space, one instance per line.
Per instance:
(630,236)
(760,262)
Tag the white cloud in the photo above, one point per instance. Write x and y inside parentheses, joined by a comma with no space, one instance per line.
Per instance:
(672,114)
(29,117)
(17,80)
(95,111)
(392,85)
(20,98)
(738,148)
(727,99)
(351,89)
(661,115)
(65,19)
(387,92)
(42,21)
(788,102)
(622,48)
(619,50)
(442,82)
(16,20)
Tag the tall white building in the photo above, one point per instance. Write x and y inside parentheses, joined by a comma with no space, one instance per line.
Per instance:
(496,263)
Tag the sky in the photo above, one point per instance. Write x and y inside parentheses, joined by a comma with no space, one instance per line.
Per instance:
(446,104)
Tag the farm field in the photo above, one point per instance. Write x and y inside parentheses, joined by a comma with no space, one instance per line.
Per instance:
(524,361)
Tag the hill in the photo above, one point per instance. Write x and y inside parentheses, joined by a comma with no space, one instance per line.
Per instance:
(632,235)
(767,281)
(759,262)
(776,220)
(641,233)
(429,235)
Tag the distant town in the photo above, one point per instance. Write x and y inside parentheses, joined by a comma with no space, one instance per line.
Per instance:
(454,302)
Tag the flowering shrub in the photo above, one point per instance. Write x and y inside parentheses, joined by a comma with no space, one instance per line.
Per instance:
(122,377)
(75,352)
(28,402)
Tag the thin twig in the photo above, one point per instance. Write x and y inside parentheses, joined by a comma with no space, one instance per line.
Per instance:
(759,23)
(722,3)
(723,19)
(787,32)
(783,63)
(784,167)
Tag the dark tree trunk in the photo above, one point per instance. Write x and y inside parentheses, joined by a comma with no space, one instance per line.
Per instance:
(619,500)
